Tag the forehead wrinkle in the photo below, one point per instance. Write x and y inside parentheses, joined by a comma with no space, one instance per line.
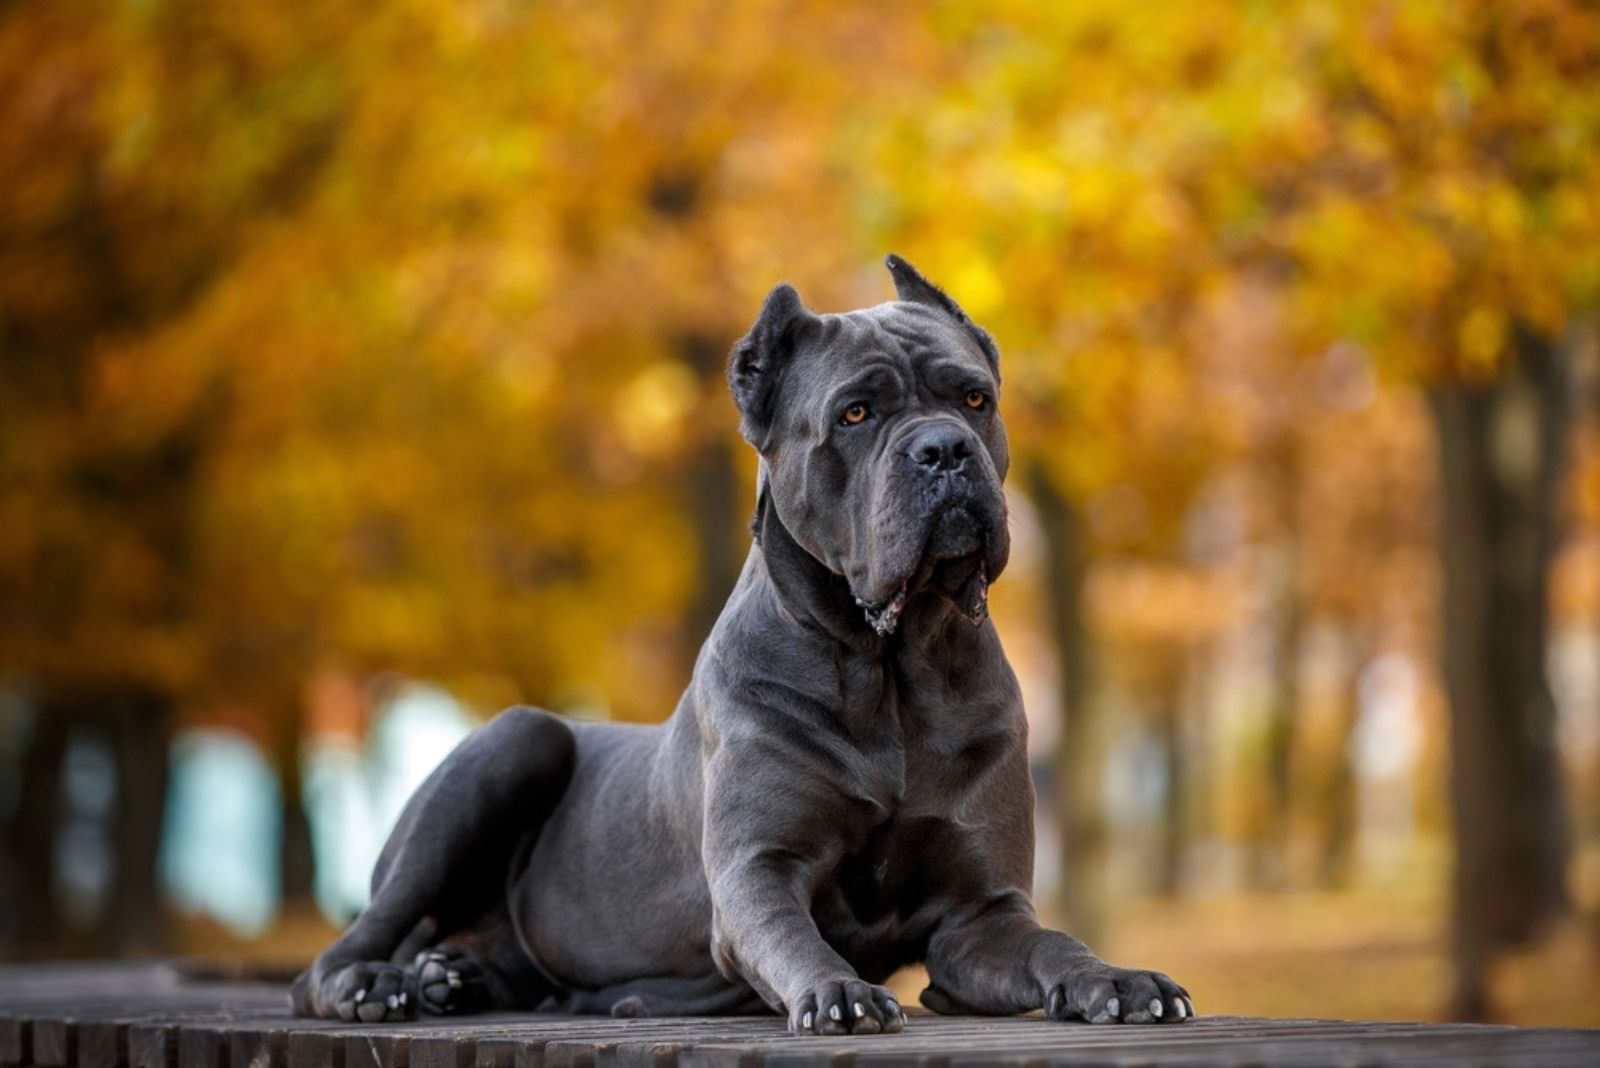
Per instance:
(858,344)
(909,336)
(874,366)
(934,354)
(951,368)
(832,326)
(834,333)
(925,335)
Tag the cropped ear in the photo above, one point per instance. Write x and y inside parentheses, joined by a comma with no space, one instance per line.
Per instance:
(759,357)
(911,287)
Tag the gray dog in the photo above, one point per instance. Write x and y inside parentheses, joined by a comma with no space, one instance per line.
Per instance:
(842,790)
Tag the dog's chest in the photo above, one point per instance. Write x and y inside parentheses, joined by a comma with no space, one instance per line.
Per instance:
(930,745)
(880,903)
(875,904)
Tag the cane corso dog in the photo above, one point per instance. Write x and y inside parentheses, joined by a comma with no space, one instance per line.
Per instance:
(843,789)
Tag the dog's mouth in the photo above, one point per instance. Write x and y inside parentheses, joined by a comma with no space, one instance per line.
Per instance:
(954,563)
(884,616)
(966,582)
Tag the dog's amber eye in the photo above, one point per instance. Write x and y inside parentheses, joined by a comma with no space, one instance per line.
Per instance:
(853,414)
(975,398)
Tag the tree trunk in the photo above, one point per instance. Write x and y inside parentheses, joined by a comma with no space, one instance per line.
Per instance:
(31,835)
(1500,452)
(1267,860)
(296,854)
(1081,891)
(1268,864)
(1174,825)
(1337,818)
(133,721)
(712,493)
(138,726)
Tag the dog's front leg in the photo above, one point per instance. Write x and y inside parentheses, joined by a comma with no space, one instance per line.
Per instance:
(773,831)
(996,958)
(764,933)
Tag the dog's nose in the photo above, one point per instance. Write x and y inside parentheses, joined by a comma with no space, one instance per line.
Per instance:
(939,448)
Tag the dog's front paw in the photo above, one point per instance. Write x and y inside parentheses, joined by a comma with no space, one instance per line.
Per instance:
(1104,994)
(450,981)
(845,1007)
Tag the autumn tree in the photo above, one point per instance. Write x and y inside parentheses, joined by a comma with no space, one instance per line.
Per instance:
(387,339)
(1415,179)
(1462,141)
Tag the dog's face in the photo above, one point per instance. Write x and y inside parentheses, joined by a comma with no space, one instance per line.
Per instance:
(881,436)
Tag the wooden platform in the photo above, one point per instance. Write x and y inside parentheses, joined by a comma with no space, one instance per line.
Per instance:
(150,1016)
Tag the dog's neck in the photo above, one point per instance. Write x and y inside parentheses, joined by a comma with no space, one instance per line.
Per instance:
(819,597)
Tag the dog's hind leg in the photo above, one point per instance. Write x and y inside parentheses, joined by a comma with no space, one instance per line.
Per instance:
(480,968)
(444,867)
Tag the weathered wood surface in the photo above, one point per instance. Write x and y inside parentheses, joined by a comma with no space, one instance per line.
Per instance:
(150,1016)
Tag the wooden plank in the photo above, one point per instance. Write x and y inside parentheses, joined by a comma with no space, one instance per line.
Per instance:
(16,1040)
(376,1049)
(315,1049)
(159,1041)
(202,1047)
(646,1054)
(805,1058)
(102,1044)
(967,1043)
(567,1053)
(142,1016)
(659,1043)
(153,1045)
(507,1051)
(252,1046)
(892,1059)
(55,1041)
(455,1047)
(605,1042)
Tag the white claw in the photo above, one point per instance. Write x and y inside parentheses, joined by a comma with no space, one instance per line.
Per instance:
(805,1021)
(1155,1006)
(1178,1006)
(860,1012)
(834,1013)
(1114,1007)
(361,995)
(453,980)
(402,997)
(393,1001)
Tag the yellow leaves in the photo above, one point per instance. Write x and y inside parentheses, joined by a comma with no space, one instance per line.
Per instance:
(1504,217)
(652,408)
(1480,340)
(981,289)
(1134,601)
(1095,193)
(455,280)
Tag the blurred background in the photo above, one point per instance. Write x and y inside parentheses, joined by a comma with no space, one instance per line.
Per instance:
(361,373)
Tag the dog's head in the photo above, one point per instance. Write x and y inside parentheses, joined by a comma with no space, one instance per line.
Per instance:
(881,436)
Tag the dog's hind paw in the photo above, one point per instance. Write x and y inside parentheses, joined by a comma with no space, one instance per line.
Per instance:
(372,992)
(630,1008)
(450,981)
